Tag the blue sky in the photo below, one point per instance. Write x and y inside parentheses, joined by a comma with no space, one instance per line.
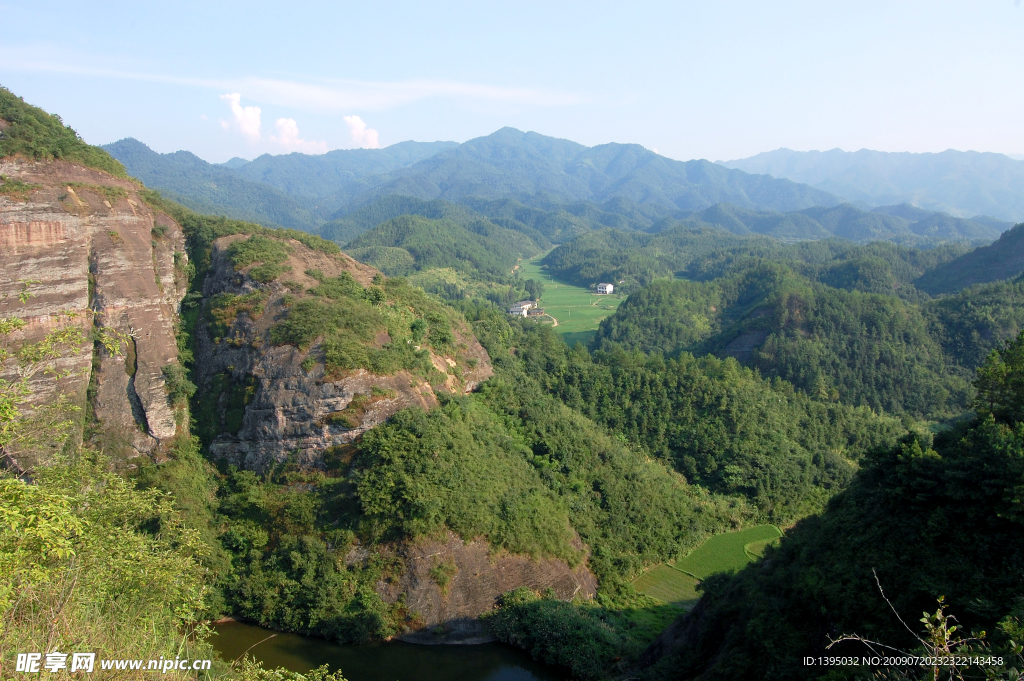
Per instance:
(716,80)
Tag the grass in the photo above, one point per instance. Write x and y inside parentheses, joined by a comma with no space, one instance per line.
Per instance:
(727,552)
(577,310)
(668,586)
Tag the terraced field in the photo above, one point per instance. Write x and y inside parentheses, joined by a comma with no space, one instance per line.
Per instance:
(577,310)
(675,584)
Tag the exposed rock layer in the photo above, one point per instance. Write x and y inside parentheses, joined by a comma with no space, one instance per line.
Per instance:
(88,251)
(287,412)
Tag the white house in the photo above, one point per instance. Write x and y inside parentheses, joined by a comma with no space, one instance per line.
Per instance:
(521,308)
(605,289)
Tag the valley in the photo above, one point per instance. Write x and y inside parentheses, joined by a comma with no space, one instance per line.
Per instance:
(576,310)
(326,427)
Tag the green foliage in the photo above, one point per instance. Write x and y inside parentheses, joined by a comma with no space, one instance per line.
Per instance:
(287,550)
(258,248)
(83,570)
(1000,383)
(442,575)
(973,322)
(941,519)
(410,243)
(559,633)
(16,189)
(38,135)
(349,320)
(458,467)
(720,424)
(179,389)
(861,348)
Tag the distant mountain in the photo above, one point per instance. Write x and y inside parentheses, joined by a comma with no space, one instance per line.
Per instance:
(1000,260)
(904,224)
(961,183)
(236,162)
(326,174)
(534,168)
(210,188)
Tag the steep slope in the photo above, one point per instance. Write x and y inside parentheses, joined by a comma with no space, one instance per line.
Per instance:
(209,188)
(962,183)
(300,349)
(526,166)
(1002,260)
(88,251)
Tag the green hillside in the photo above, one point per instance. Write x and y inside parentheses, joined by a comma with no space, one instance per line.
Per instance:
(207,188)
(861,348)
(411,243)
(29,131)
(1003,259)
(829,574)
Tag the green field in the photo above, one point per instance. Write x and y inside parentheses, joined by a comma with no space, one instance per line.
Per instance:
(577,310)
(668,586)
(676,584)
(727,552)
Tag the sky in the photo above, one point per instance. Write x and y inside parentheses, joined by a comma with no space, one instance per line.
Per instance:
(715,80)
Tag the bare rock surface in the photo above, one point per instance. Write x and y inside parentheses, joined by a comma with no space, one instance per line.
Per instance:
(448,583)
(289,409)
(86,249)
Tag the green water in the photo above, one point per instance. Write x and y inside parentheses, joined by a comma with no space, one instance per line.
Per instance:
(390,661)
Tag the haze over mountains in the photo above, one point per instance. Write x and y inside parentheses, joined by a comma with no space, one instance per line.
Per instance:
(512,175)
(962,183)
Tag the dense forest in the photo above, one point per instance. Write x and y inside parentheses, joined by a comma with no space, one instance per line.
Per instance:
(953,501)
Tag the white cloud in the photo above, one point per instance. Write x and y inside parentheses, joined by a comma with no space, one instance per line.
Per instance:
(330,96)
(362,136)
(288,137)
(246,119)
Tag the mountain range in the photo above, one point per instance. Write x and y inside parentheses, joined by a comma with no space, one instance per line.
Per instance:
(302,191)
(962,183)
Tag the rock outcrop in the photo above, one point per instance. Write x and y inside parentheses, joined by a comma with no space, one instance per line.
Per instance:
(448,583)
(86,250)
(288,406)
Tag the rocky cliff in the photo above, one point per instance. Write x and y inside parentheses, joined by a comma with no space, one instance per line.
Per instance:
(269,395)
(85,249)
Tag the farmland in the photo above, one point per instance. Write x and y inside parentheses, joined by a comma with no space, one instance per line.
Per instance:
(577,309)
(675,584)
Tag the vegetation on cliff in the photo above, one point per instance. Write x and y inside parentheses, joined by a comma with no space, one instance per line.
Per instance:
(30,131)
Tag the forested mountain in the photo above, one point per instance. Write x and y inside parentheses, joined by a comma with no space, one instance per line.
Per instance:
(209,188)
(962,183)
(865,349)
(529,166)
(697,250)
(326,174)
(409,243)
(954,500)
(1000,260)
(889,223)
(633,186)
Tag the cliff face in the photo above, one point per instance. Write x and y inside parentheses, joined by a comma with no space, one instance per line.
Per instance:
(448,583)
(268,402)
(88,251)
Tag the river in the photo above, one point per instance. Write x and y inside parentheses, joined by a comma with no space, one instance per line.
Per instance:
(385,661)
